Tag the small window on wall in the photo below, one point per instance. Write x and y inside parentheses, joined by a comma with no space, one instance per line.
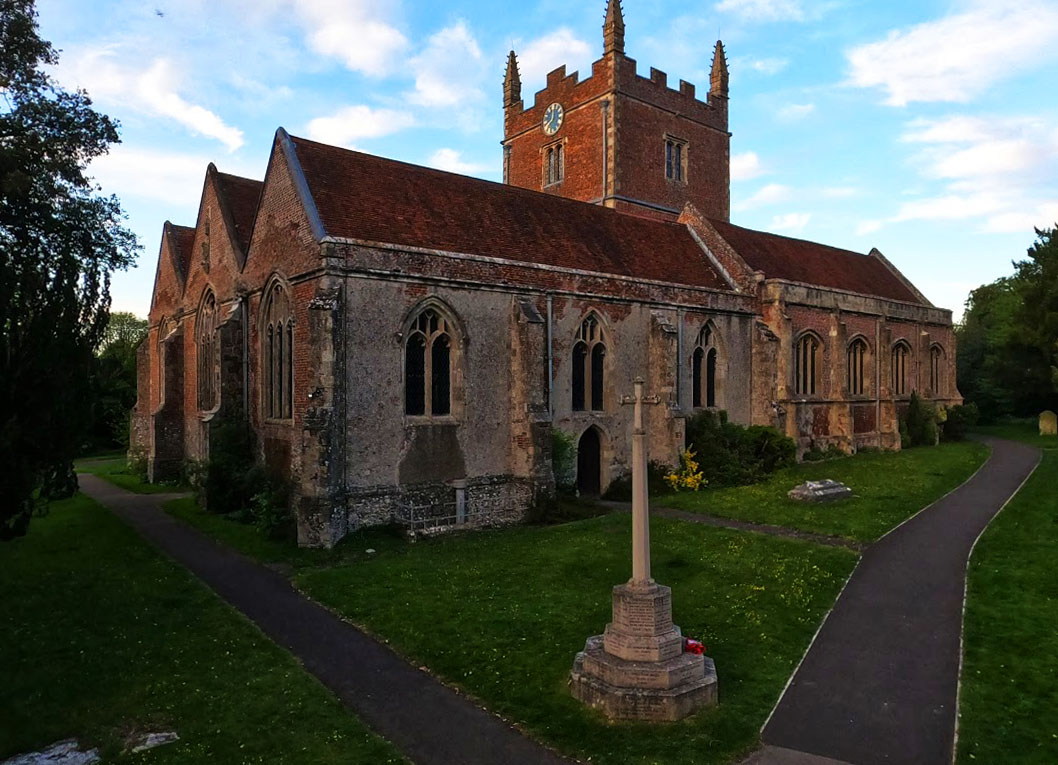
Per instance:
(208,352)
(278,356)
(806,360)
(856,356)
(901,354)
(936,359)
(589,367)
(703,369)
(554,164)
(675,159)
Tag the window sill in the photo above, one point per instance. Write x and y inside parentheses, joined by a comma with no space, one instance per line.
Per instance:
(416,420)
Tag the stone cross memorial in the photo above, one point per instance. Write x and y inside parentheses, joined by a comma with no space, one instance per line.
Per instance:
(1048,423)
(637,669)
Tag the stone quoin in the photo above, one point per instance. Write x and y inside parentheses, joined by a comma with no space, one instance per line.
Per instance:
(403,341)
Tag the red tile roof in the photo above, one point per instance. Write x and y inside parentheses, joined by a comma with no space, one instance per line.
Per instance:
(183,241)
(796,260)
(241,195)
(360,196)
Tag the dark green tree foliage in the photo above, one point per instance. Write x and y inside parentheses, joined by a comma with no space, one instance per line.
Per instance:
(732,455)
(114,380)
(1008,340)
(59,242)
(921,422)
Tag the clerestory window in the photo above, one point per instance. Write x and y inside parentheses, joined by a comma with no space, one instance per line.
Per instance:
(589,366)
(208,353)
(806,361)
(428,366)
(900,357)
(278,355)
(855,367)
(704,362)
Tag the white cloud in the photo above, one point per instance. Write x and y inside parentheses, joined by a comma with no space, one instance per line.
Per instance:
(959,56)
(865,227)
(448,72)
(791,222)
(169,177)
(549,52)
(1000,170)
(769,65)
(763,10)
(359,33)
(353,123)
(745,166)
(770,194)
(452,161)
(794,112)
(151,90)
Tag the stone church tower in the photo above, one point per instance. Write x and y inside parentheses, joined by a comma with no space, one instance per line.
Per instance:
(620,139)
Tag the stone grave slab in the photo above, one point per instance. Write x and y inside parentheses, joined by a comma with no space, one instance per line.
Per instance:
(819,491)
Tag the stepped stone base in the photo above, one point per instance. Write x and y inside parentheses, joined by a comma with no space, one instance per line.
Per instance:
(637,669)
(657,691)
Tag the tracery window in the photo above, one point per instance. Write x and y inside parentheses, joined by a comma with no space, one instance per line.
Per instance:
(936,357)
(589,366)
(554,164)
(806,359)
(703,369)
(208,352)
(855,367)
(901,354)
(428,366)
(278,355)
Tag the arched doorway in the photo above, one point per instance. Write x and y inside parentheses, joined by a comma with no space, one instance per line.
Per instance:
(589,464)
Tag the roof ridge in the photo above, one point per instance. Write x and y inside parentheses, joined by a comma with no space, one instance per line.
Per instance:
(790,238)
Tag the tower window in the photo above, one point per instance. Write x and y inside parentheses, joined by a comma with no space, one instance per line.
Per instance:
(675,159)
(554,164)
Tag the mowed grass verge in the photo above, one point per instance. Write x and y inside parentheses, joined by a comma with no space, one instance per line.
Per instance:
(114,468)
(1010,670)
(888,487)
(501,614)
(102,637)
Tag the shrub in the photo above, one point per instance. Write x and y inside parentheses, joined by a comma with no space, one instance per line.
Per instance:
(269,509)
(688,476)
(815,454)
(961,419)
(732,455)
(921,419)
(564,461)
(136,462)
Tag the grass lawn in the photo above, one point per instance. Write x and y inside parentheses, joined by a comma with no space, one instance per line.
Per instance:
(103,637)
(888,487)
(1026,431)
(114,468)
(501,614)
(1010,666)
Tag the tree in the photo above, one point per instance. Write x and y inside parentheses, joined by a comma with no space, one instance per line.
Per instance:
(1008,339)
(114,380)
(59,242)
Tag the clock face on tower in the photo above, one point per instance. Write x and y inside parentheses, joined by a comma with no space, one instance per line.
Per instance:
(553,119)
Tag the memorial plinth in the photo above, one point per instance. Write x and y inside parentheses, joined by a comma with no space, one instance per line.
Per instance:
(637,669)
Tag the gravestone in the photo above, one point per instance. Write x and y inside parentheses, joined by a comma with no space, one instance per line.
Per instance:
(1048,423)
(819,491)
(638,669)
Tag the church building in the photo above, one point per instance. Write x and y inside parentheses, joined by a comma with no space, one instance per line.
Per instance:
(403,341)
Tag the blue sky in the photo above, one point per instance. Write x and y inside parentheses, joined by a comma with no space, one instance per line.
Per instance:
(926,129)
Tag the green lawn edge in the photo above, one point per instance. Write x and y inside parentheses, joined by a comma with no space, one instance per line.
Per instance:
(114,468)
(104,637)
(888,488)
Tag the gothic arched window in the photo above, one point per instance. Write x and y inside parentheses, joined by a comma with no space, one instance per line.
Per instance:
(806,360)
(901,354)
(428,365)
(208,352)
(278,355)
(855,366)
(589,366)
(936,360)
(704,363)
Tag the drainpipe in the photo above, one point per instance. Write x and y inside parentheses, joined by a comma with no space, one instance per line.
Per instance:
(550,360)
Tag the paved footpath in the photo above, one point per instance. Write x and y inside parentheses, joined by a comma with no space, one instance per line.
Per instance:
(879,683)
(428,721)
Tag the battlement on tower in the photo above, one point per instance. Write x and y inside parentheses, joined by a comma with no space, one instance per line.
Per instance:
(655,90)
